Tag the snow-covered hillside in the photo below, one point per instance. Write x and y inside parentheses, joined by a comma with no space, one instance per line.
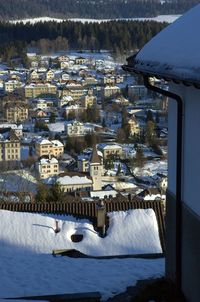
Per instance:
(161,18)
(28,268)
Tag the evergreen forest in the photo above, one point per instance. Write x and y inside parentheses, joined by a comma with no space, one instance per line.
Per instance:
(117,36)
(12,9)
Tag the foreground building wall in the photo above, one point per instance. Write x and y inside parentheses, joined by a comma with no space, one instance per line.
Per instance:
(190,192)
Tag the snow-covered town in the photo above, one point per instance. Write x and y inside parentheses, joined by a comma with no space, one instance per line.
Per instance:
(79,121)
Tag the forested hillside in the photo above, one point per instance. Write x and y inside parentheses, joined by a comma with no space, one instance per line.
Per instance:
(12,9)
(118,36)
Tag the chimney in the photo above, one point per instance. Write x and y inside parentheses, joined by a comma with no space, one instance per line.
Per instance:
(57,229)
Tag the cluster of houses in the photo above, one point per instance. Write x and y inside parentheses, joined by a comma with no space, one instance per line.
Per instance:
(45,106)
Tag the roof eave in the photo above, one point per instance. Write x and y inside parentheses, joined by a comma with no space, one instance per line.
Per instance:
(146,70)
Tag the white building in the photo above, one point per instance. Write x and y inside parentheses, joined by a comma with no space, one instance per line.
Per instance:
(48,167)
(71,182)
(11,85)
(174,55)
(47,147)
(74,128)
(40,104)
(108,150)
(109,91)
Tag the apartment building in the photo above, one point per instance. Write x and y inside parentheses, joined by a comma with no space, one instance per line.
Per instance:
(90,80)
(10,147)
(11,85)
(73,109)
(47,147)
(16,112)
(63,59)
(133,126)
(35,90)
(110,150)
(109,91)
(137,91)
(48,167)
(80,60)
(34,75)
(108,80)
(49,75)
(89,100)
(74,128)
(76,93)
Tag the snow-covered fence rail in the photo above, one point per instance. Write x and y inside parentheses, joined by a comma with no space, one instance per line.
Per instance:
(88,210)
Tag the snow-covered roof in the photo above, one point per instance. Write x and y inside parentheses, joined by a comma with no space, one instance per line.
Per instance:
(72,107)
(28,269)
(73,123)
(102,194)
(43,141)
(57,143)
(67,98)
(74,180)
(174,52)
(110,147)
(13,126)
(45,161)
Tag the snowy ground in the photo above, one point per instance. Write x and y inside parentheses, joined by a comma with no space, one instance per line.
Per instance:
(152,167)
(114,170)
(58,127)
(28,268)
(17,181)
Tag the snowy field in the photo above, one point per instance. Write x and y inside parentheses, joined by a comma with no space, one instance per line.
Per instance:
(160,18)
(28,268)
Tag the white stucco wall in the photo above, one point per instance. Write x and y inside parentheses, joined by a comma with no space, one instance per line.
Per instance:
(191,146)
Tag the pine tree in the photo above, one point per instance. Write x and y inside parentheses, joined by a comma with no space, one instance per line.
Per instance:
(150,134)
(42,193)
(139,158)
(56,193)
(52,117)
